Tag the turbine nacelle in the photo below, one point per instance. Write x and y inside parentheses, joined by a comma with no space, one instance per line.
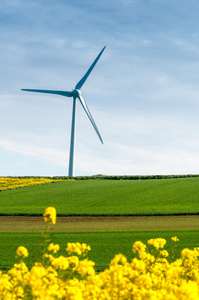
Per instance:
(76,93)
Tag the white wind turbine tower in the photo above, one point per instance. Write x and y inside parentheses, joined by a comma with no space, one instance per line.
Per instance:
(76,94)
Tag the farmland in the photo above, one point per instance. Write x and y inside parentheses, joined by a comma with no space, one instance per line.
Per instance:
(10,183)
(104,245)
(105,198)
(138,208)
(108,215)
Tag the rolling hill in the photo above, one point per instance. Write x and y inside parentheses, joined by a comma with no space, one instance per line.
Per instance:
(106,197)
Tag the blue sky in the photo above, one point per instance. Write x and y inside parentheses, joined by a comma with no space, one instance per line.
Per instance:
(143,93)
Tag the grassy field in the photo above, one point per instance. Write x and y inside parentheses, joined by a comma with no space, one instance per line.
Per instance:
(103,198)
(104,244)
(106,197)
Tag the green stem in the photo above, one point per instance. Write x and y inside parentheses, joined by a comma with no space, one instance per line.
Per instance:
(46,239)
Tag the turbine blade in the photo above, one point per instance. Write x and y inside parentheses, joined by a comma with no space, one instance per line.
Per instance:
(85,107)
(62,93)
(81,82)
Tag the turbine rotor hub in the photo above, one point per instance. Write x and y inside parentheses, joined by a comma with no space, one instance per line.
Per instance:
(76,93)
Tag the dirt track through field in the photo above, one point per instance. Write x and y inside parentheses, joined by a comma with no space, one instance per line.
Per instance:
(123,223)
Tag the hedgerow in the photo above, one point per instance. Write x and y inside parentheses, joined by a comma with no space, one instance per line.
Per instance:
(98,176)
(134,177)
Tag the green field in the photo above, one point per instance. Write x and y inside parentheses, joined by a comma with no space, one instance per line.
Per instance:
(104,244)
(106,197)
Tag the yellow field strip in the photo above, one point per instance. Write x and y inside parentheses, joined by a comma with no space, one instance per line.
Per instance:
(8,183)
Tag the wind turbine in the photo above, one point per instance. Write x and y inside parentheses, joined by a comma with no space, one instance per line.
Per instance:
(76,94)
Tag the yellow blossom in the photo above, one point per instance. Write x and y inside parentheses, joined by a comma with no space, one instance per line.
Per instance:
(157,243)
(22,252)
(188,254)
(138,247)
(164,253)
(77,248)
(85,267)
(174,239)
(50,215)
(61,263)
(54,248)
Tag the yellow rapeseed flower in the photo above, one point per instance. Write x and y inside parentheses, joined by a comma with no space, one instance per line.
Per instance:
(174,239)
(138,247)
(157,243)
(22,252)
(50,215)
(60,263)
(164,253)
(77,248)
(54,248)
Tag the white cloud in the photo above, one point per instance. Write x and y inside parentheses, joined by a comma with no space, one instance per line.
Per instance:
(52,155)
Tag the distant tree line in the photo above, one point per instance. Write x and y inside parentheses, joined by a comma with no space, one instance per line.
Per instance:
(133,177)
(110,177)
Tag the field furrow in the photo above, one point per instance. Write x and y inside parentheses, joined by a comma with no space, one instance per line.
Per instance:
(118,223)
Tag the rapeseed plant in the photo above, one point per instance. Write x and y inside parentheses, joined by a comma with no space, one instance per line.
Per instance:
(50,215)
(149,275)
